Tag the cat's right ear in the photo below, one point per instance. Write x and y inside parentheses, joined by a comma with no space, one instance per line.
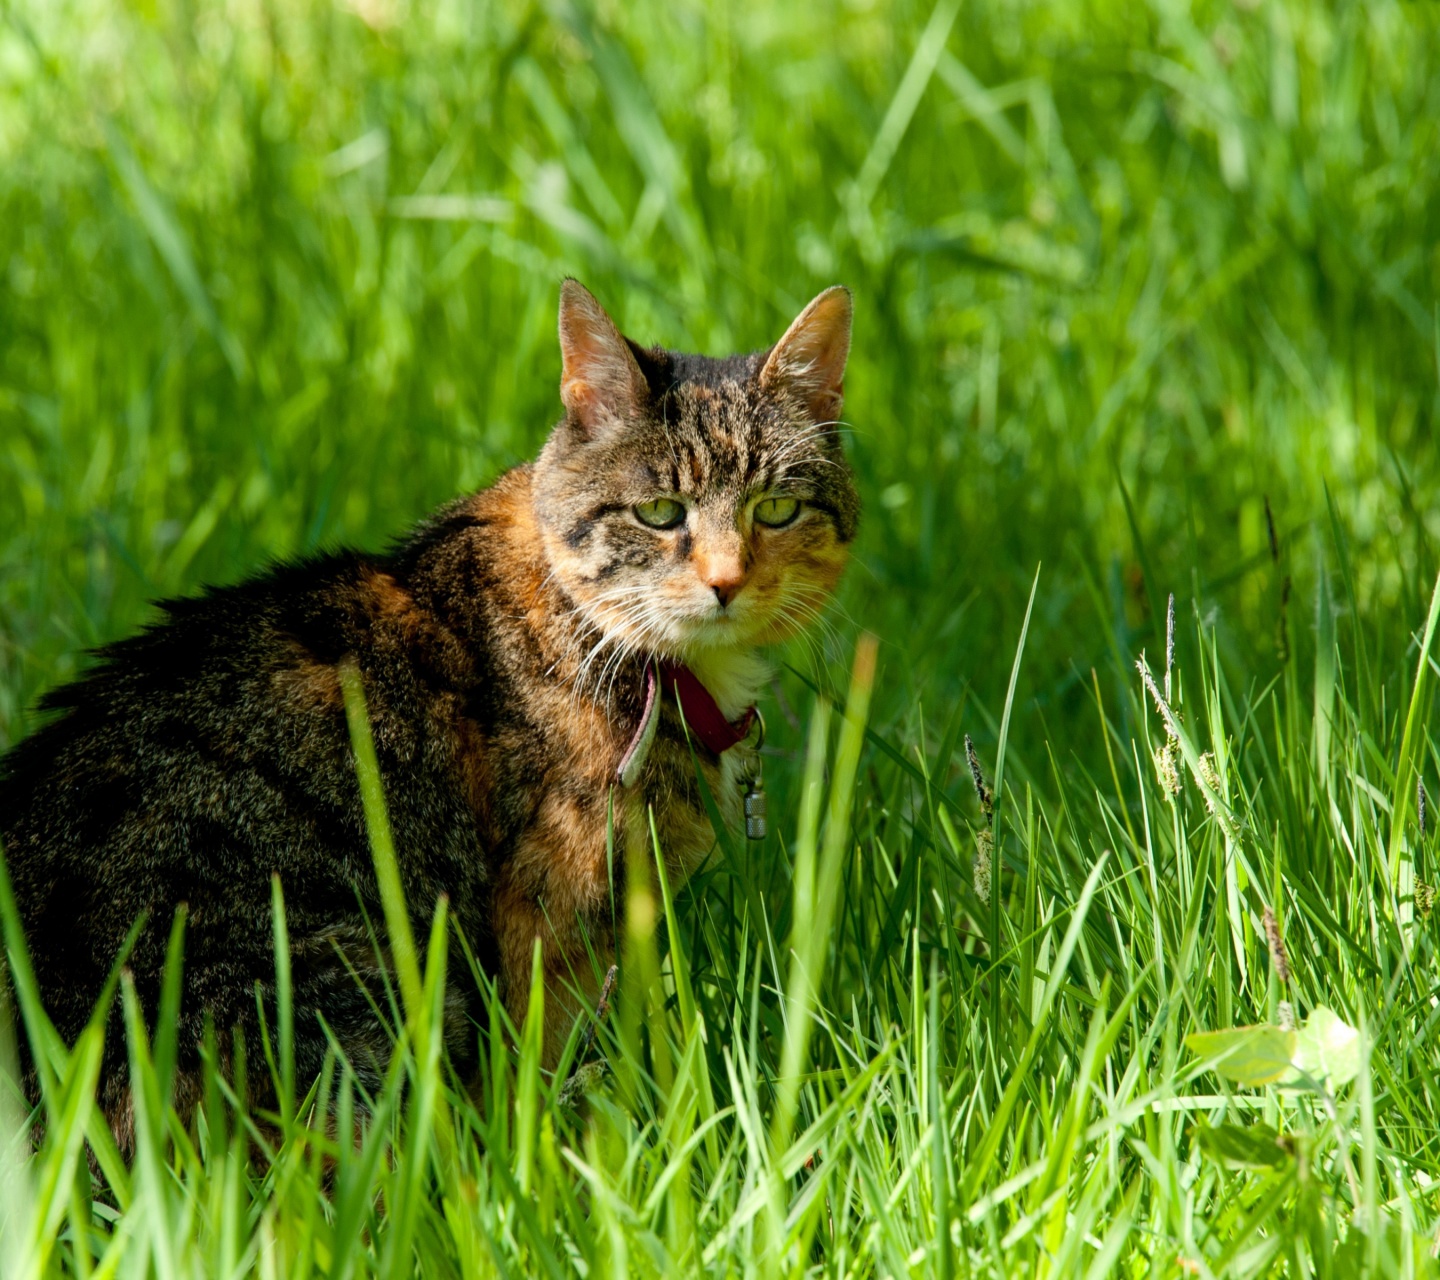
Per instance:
(601,386)
(810,359)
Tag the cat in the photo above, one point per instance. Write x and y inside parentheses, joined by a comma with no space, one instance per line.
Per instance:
(520,654)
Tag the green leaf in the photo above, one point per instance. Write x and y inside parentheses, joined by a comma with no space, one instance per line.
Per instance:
(1235,1146)
(1250,1056)
(1328,1048)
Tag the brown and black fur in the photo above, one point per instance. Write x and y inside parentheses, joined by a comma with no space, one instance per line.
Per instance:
(502,662)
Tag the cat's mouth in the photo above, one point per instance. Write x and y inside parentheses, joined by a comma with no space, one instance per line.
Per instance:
(715,631)
(735,626)
(678,623)
(767,611)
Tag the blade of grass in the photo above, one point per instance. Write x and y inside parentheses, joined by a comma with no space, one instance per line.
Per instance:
(382,846)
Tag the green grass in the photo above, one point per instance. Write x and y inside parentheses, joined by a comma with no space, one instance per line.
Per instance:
(278,275)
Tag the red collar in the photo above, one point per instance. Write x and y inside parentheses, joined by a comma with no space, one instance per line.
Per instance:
(701,712)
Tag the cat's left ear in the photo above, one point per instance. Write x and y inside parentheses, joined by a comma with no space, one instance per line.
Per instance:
(810,358)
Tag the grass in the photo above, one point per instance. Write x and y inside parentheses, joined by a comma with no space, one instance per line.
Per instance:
(1146,304)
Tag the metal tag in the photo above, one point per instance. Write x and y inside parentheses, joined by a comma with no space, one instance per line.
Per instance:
(755,824)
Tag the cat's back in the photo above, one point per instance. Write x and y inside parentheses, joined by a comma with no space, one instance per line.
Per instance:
(204,689)
(212,750)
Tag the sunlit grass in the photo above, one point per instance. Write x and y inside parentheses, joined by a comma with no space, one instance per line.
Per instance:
(1146,303)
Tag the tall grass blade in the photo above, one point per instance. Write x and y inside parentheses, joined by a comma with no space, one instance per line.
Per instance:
(399,936)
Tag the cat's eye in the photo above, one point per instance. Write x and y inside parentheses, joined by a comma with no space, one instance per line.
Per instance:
(776,511)
(660,513)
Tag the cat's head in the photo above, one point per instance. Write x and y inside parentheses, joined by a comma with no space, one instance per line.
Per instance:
(690,503)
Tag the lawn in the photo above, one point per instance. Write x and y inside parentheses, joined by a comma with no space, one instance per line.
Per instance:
(1147,305)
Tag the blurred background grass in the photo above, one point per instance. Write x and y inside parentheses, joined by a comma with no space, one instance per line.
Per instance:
(276,276)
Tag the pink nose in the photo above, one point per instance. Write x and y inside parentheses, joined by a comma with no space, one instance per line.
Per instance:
(725,583)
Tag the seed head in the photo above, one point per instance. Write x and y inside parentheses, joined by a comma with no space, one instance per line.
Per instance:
(1211,777)
(1424,899)
(1421,803)
(1169,645)
(1162,704)
(1278,958)
(984,843)
(1166,769)
(982,788)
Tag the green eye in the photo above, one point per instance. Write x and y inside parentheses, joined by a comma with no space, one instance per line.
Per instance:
(776,511)
(661,513)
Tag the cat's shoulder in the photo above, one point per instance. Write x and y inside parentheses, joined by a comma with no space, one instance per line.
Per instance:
(271,642)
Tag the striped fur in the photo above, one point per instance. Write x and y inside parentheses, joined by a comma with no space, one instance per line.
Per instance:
(501,647)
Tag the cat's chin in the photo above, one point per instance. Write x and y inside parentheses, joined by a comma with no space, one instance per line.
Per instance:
(723,634)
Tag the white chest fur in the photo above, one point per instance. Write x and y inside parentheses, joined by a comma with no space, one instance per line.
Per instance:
(733,676)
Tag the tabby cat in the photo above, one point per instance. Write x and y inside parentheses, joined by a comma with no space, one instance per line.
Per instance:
(525,655)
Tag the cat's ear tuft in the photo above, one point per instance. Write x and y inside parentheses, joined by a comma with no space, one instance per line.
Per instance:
(810,358)
(600,383)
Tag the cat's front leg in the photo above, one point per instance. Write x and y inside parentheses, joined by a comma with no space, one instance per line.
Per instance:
(556,889)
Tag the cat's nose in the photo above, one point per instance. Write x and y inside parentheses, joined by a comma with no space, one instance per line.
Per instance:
(721,566)
(726,591)
(725,579)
